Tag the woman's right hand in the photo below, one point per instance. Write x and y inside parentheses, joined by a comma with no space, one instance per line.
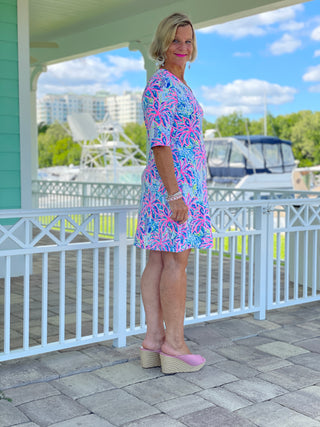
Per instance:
(179,210)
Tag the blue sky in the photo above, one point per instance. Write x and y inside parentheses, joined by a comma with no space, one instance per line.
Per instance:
(273,56)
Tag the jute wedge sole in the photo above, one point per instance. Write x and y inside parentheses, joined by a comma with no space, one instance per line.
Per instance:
(184,363)
(149,358)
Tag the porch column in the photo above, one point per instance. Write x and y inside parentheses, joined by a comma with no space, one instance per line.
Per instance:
(149,65)
(143,47)
(35,74)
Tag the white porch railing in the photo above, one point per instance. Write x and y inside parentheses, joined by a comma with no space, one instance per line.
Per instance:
(57,194)
(79,271)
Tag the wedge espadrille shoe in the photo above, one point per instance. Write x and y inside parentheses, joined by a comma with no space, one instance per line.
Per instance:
(149,358)
(183,363)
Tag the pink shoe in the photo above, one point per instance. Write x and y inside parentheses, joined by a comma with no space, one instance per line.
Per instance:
(184,363)
(149,358)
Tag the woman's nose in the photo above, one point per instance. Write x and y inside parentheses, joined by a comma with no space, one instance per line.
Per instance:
(184,47)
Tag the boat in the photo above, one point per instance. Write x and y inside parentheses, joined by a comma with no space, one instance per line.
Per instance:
(107,153)
(254,162)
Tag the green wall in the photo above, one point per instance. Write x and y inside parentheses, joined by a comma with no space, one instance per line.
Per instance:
(10,185)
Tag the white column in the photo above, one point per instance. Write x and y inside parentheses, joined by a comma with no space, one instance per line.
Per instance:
(149,65)
(34,76)
(143,47)
(24,102)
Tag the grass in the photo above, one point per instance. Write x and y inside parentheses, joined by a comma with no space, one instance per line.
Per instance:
(107,230)
(239,244)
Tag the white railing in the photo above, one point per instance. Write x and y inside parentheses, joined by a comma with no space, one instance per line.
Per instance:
(57,194)
(69,276)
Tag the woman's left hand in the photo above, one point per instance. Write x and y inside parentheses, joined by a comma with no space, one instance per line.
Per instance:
(179,211)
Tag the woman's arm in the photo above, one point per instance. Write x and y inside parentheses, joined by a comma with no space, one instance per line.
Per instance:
(164,162)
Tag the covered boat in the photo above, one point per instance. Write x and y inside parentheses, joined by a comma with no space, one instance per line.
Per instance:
(255,162)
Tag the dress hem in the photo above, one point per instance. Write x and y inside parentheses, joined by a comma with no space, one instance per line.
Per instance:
(147,247)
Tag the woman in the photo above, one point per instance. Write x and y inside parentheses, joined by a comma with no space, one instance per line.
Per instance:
(173,215)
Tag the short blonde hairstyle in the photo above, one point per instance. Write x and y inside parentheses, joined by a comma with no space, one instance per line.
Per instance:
(165,34)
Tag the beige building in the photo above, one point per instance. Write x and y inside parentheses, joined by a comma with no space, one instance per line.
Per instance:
(56,107)
(122,109)
(125,108)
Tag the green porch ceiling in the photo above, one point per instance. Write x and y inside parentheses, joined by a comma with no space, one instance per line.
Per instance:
(76,28)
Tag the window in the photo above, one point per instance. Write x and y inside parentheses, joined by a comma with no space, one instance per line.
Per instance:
(288,158)
(236,158)
(272,157)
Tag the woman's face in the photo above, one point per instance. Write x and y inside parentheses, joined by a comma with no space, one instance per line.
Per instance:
(180,49)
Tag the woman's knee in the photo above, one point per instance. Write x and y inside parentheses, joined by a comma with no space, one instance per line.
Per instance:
(155,258)
(175,260)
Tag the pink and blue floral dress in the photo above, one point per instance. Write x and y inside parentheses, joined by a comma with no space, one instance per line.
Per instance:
(173,118)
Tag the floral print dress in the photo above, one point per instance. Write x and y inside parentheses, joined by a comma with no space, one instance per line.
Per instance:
(173,118)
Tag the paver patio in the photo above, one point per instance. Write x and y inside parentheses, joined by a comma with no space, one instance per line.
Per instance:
(247,381)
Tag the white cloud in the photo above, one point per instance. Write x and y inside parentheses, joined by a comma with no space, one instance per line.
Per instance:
(123,64)
(246,96)
(242,54)
(312,74)
(292,26)
(256,25)
(287,44)
(315,89)
(315,35)
(237,29)
(316,53)
(89,75)
(224,110)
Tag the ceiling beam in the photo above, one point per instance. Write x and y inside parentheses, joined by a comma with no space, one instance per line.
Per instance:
(141,27)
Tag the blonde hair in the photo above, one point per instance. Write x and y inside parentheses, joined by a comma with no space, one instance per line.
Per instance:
(165,34)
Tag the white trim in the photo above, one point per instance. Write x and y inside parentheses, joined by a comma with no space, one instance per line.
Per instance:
(35,72)
(24,101)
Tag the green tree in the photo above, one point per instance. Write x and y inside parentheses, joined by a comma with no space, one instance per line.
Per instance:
(42,127)
(257,127)
(283,125)
(44,151)
(66,152)
(56,147)
(233,124)
(138,134)
(207,125)
(305,137)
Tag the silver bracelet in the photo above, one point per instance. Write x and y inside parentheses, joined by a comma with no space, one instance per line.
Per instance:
(175,196)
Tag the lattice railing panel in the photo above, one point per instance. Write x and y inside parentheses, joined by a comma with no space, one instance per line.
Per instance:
(78,271)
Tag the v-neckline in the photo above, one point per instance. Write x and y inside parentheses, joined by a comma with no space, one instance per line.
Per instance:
(180,81)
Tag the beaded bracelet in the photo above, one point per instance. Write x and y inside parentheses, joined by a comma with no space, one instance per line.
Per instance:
(175,196)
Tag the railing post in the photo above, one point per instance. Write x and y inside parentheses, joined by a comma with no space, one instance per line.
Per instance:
(120,279)
(84,202)
(268,245)
(260,264)
(35,194)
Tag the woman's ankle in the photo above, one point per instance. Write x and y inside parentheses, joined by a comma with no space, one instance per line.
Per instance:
(153,342)
(175,349)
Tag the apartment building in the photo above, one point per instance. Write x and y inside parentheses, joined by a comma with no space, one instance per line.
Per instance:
(125,108)
(55,107)
(122,109)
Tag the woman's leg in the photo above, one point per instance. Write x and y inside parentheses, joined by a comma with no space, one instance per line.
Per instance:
(150,289)
(173,289)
